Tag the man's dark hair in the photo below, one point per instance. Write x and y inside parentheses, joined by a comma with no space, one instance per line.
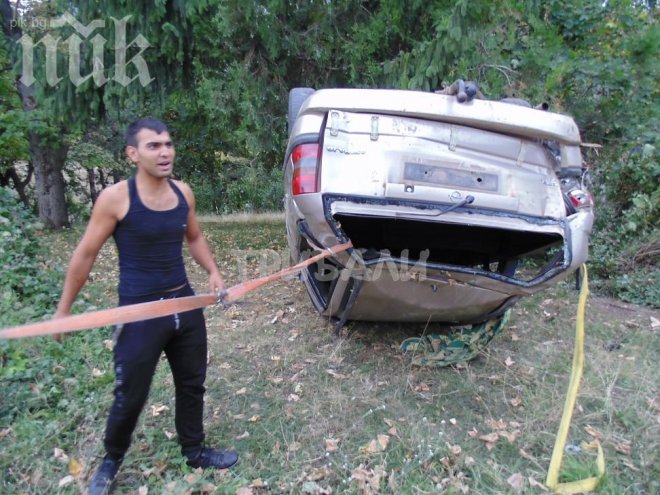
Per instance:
(146,123)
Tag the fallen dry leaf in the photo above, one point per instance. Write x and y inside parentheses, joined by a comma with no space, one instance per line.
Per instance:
(379,444)
(60,455)
(276,380)
(224,366)
(243,435)
(293,446)
(331,444)
(655,323)
(624,447)
(516,481)
(490,440)
(143,490)
(508,361)
(593,432)
(254,418)
(454,449)
(244,490)
(336,375)
(4,432)
(67,480)
(156,470)
(241,391)
(509,435)
(368,480)
(516,401)
(97,372)
(422,387)
(156,409)
(108,344)
(526,455)
(258,483)
(535,484)
(293,398)
(318,474)
(75,468)
(169,435)
(383,441)
(497,424)
(473,433)
(453,421)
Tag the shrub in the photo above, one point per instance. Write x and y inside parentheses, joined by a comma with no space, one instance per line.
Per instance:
(27,289)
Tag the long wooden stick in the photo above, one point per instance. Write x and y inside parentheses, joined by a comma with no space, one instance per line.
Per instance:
(154,309)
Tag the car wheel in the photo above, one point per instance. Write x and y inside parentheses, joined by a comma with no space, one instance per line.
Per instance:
(296,98)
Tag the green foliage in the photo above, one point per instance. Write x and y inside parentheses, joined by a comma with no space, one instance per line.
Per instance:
(257,190)
(13,121)
(28,290)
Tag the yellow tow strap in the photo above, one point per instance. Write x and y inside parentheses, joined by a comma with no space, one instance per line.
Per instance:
(552,481)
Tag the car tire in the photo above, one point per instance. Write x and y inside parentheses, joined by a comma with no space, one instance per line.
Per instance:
(297,96)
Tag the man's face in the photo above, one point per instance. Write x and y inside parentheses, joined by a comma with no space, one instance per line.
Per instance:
(154,153)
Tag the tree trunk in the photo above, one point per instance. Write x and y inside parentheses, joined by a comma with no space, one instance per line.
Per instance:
(12,176)
(91,178)
(49,182)
(46,158)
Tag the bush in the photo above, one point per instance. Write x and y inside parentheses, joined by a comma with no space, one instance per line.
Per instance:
(626,239)
(256,191)
(27,289)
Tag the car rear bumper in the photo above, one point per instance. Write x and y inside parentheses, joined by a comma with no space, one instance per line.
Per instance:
(400,281)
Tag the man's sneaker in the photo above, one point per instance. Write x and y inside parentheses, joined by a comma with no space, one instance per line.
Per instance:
(103,481)
(214,458)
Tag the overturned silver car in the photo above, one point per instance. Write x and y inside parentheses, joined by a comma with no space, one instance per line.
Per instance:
(455,209)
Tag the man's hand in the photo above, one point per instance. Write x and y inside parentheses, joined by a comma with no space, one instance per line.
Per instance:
(60,314)
(216,283)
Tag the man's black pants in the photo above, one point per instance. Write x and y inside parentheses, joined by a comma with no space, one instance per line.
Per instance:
(138,347)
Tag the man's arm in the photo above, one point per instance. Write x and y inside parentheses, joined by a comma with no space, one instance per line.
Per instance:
(101,225)
(198,246)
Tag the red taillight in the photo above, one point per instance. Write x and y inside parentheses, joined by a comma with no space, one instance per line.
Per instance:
(580,198)
(305,158)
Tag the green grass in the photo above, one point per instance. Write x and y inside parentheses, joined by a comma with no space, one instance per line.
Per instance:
(283,390)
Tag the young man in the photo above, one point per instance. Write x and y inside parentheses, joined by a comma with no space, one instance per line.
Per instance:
(149,216)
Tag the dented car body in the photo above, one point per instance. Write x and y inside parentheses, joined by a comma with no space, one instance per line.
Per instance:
(455,209)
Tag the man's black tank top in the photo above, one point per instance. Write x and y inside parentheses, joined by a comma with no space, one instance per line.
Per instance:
(150,246)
